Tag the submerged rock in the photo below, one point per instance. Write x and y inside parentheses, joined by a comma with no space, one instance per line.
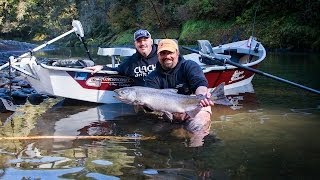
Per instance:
(18,94)
(13,86)
(6,105)
(3,91)
(36,99)
(4,81)
(23,83)
(17,91)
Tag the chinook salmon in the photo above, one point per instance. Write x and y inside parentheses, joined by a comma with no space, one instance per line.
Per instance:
(167,100)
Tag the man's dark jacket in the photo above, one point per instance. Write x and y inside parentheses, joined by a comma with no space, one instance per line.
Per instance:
(187,76)
(138,67)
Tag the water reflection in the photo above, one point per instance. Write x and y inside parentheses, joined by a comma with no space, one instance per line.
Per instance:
(14,173)
(271,132)
(94,121)
(240,140)
(69,158)
(91,158)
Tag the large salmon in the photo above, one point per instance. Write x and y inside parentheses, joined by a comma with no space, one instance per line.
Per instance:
(167,100)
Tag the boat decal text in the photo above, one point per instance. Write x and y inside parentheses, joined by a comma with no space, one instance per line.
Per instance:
(112,81)
(142,71)
(237,75)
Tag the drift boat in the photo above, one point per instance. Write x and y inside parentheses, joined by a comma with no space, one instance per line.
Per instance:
(78,83)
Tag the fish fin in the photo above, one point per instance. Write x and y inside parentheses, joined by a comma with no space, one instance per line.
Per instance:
(138,109)
(168,115)
(218,96)
(137,102)
(194,112)
(170,90)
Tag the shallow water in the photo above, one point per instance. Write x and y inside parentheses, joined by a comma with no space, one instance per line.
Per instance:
(269,133)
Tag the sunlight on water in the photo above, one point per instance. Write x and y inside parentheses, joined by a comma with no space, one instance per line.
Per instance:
(102,162)
(13,173)
(150,171)
(101,176)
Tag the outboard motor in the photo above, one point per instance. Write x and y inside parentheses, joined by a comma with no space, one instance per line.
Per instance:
(206,48)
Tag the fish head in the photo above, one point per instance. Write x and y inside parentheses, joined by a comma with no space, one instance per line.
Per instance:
(127,95)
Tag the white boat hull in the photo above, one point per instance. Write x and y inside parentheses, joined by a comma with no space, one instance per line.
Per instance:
(80,84)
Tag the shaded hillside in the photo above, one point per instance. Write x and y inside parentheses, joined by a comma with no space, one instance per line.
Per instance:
(288,24)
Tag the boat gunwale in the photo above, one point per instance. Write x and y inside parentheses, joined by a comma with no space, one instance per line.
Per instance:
(206,68)
(74,69)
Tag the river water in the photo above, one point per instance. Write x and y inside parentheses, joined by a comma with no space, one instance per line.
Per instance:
(270,132)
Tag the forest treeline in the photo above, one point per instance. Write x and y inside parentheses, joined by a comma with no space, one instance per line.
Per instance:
(284,24)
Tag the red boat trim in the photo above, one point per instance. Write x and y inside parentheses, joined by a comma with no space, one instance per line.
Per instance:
(100,81)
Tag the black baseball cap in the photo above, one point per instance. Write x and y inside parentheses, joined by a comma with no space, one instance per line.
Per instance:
(141,33)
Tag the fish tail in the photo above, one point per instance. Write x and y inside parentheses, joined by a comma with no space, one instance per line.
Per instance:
(218,96)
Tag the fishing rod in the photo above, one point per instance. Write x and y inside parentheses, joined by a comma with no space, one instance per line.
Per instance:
(80,34)
(158,17)
(254,70)
(85,46)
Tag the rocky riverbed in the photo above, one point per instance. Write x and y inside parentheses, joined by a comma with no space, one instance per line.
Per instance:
(14,89)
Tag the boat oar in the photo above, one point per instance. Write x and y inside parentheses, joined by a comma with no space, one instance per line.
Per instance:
(254,70)
(77,28)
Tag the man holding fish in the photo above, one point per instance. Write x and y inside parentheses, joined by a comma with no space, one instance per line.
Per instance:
(175,73)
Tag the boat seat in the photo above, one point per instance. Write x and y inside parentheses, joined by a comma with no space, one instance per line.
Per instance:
(235,56)
(115,53)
